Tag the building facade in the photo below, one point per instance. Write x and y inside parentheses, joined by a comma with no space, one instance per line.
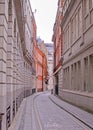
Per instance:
(41,66)
(15,57)
(34,43)
(43,48)
(77,26)
(49,47)
(57,40)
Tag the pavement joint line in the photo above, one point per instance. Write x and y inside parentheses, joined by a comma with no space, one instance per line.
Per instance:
(37,114)
(33,116)
(71,114)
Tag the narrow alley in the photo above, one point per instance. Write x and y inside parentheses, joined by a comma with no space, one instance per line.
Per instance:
(46,64)
(40,112)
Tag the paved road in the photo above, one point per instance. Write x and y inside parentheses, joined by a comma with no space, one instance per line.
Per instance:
(50,117)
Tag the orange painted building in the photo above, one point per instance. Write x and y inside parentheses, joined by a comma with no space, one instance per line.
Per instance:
(41,69)
(39,65)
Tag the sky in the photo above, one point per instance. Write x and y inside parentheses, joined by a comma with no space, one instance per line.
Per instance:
(45,17)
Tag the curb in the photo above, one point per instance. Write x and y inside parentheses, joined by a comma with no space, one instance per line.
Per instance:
(15,125)
(16,122)
(91,127)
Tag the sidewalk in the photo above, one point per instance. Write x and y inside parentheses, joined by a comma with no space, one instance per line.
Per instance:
(78,113)
(24,117)
(16,122)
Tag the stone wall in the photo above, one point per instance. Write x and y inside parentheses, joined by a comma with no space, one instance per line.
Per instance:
(15,68)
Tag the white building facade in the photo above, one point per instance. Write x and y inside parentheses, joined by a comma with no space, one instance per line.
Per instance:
(49,47)
(15,57)
(77,66)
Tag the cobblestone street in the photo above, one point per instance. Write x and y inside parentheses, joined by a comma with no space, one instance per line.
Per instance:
(41,113)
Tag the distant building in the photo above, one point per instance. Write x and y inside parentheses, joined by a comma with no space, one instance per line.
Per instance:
(41,65)
(49,47)
(42,46)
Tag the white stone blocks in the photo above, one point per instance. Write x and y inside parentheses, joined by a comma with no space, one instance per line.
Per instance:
(2,77)
(9,71)
(10,32)
(9,64)
(3,32)
(10,48)
(2,54)
(3,21)
(3,43)
(2,89)
(9,79)
(2,66)
(2,8)
(10,57)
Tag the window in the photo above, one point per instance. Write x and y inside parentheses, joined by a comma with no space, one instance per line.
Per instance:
(85,73)
(91,72)
(72,77)
(86,5)
(80,21)
(72,29)
(69,34)
(90,4)
(79,75)
(75,76)
(64,40)
(77,25)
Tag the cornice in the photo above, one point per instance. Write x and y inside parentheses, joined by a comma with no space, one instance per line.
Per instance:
(67,12)
(21,25)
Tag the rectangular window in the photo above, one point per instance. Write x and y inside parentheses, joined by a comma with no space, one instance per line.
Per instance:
(91,72)
(79,76)
(90,4)
(70,34)
(72,31)
(80,21)
(75,75)
(64,40)
(72,77)
(64,78)
(86,6)
(77,25)
(68,37)
(85,73)
(68,78)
